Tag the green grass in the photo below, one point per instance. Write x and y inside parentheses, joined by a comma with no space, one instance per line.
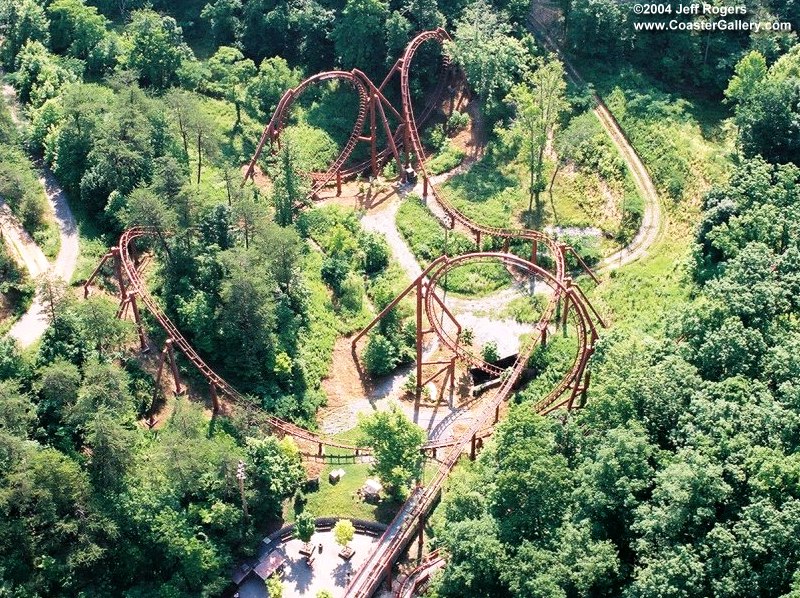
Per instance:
(340,500)
(428,240)
(525,310)
(490,192)
(641,297)
(685,143)
(494,192)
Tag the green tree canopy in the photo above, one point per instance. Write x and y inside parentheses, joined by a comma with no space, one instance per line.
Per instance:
(396,442)
(154,48)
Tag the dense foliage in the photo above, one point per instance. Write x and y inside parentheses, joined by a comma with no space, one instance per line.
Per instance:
(675,480)
(114,499)
(701,60)
(678,479)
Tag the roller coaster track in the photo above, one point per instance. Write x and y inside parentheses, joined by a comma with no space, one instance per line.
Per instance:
(367,92)
(410,519)
(132,287)
(420,576)
(278,122)
(565,295)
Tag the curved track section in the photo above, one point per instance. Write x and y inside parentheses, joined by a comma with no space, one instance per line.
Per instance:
(556,249)
(137,288)
(586,330)
(419,579)
(365,88)
(408,521)
(278,122)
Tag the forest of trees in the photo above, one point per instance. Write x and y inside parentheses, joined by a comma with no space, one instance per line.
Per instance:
(116,97)
(680,478)
(699,60)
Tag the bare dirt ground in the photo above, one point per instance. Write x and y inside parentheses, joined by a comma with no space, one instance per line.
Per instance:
(351,393)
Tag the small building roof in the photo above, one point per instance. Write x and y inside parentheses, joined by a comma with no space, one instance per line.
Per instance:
(267,566)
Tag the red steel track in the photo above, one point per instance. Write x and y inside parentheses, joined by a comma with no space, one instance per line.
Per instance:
(134,288)
(411,517)
(278,122)
(567,296)
(371,102)
(410,520)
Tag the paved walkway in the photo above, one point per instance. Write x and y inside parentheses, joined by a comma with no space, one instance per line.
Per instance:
(31,326)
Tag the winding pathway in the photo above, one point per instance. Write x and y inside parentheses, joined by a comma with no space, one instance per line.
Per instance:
(652,219)
(31,326)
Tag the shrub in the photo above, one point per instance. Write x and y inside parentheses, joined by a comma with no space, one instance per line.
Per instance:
(380,355)
(390,170)
(437,138)
(334,272)
(376,253)
(343,531)
(410,384)
(446,160)
(457,121)
(352,293)
(489,352)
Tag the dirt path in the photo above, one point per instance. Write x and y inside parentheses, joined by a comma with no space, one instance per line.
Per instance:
(652,220)
(22,246)
(31,326)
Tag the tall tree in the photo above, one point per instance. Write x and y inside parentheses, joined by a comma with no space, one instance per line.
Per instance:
(231,73)
(154,48)
(305,526)
(274,77)
(288,191)
(145,208)
(103,330)
(492,58)
(224,17)
(397,443)
(22,21)
(359,29)
(538,108)
(81,32)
